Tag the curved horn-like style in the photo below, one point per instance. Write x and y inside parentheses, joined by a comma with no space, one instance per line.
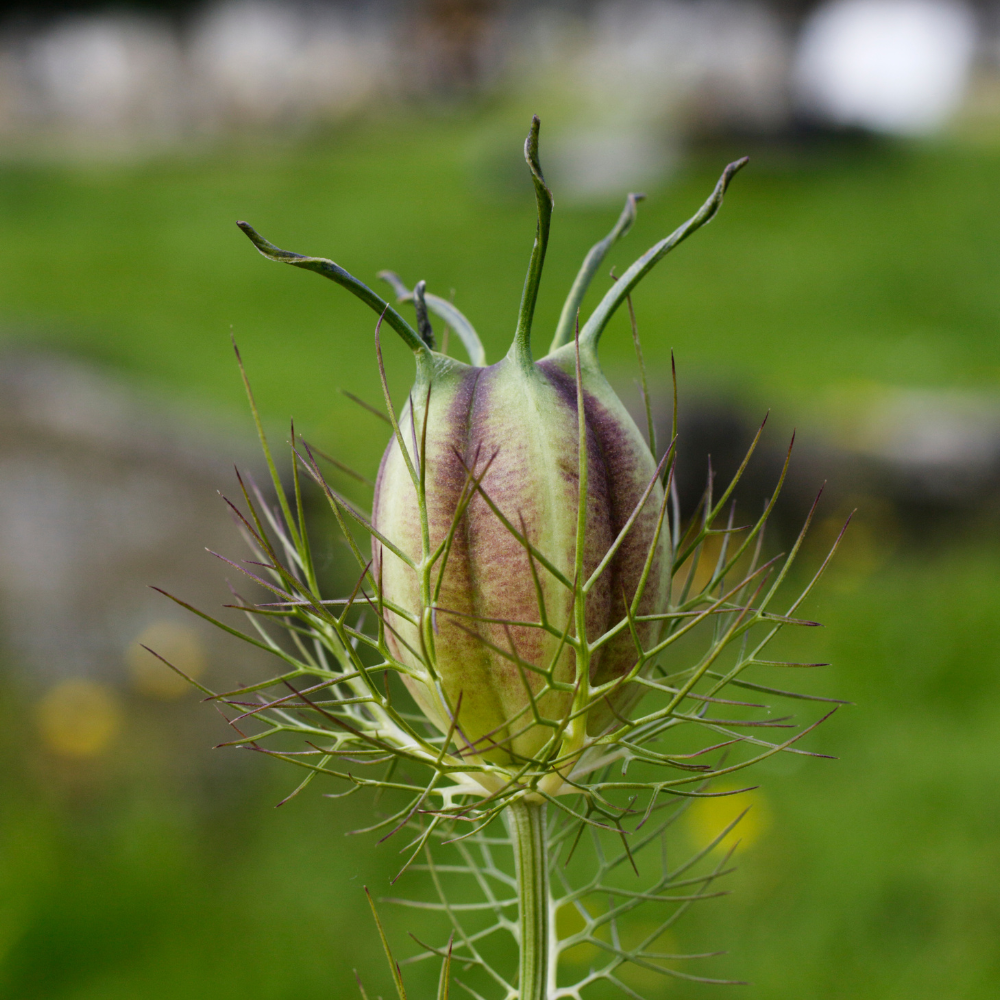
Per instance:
(590,335)
(567,319)
(321,265)
(446,311)
(520,350)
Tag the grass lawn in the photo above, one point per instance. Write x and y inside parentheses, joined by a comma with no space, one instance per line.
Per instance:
(872,876)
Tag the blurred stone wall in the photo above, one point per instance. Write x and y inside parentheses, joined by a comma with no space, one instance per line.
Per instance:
(919,464)
(104,493)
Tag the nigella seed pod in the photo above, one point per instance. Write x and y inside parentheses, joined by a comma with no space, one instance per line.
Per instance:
(521,584)
(519,555)
(498,462)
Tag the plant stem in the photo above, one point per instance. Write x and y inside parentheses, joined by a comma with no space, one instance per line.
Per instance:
(527,830)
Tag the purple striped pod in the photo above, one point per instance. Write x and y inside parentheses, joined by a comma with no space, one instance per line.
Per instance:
(497,459)
(518,546)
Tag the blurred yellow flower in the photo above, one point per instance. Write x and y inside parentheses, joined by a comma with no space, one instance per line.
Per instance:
(178,644)
(79,718)
(708,817)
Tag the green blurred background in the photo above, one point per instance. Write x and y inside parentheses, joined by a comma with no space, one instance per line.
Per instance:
(134,866)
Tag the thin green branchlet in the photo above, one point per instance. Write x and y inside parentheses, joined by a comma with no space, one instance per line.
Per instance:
(531,819)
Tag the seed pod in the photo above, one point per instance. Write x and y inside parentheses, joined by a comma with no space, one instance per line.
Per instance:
(518,543)
(514,431)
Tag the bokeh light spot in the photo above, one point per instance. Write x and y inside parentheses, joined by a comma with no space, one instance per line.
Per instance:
(180,645)
(79,718)
(708,817)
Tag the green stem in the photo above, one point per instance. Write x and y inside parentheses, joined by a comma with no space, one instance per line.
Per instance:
(526,822)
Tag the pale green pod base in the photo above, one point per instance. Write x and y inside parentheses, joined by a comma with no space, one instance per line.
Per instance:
(523,425)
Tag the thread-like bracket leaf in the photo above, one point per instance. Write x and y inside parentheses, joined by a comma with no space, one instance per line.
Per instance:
(397,977)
